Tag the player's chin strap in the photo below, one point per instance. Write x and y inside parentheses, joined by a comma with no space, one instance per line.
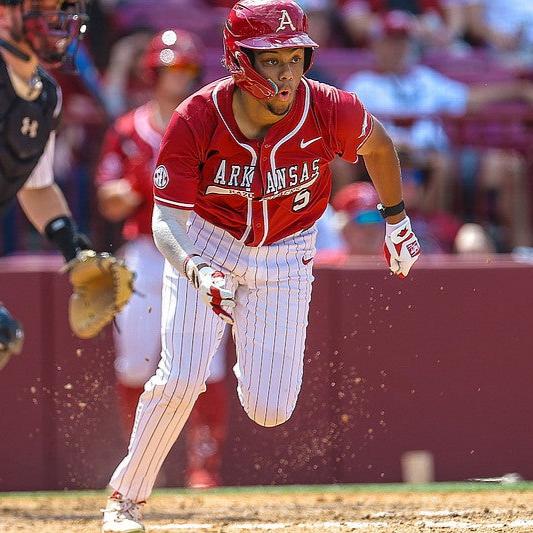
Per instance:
(12,49)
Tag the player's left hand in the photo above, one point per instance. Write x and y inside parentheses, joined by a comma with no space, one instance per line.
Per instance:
(102,286)
(401,247)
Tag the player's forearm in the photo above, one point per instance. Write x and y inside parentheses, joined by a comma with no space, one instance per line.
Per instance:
(43,205)
(117,200)
(384,168)
(47,210)
(169,227)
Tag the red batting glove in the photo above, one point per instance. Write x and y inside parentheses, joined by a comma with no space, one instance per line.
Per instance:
(401,247)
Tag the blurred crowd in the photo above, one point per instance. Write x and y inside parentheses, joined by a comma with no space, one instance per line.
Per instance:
(449,78)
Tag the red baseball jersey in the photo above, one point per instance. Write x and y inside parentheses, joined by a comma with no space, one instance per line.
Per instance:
(129,151)
(259,190)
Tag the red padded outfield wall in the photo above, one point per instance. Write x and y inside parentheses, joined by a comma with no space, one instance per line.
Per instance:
(442,361)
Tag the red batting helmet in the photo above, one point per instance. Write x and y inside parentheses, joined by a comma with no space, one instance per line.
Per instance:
(263,25)
(173,48)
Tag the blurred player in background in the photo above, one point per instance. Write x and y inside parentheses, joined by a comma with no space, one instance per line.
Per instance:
(173,64)
(34,33)
(247,158)
(360,224)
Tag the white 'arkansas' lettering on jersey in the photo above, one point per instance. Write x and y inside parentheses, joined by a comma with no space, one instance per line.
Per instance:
(239,176)
(237,179)
(277,181)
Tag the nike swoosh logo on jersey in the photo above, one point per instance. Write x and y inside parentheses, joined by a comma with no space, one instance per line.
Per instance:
(303,143)
(307,260)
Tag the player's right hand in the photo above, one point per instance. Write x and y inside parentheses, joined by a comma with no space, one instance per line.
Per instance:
(211,285)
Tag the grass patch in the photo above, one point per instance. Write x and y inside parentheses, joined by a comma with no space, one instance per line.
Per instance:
(299,489)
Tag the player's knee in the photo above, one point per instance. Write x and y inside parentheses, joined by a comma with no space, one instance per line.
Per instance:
(268,415)
(134,378)
(133,373)
(172,389)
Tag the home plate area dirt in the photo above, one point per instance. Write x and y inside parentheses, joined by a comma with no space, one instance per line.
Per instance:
(290,510)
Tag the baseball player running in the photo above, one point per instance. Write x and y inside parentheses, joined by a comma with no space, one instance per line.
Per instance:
(241,178)
(173,63)
(33,32)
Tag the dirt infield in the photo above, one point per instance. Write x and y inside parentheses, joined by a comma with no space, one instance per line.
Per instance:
(298,509)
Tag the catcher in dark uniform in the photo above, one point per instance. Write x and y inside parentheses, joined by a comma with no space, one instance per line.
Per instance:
(35,33)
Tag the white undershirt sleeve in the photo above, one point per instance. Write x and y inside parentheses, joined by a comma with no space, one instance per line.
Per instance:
(169,227)
(43,173)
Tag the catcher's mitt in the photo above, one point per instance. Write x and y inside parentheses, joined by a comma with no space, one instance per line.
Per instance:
(102,286)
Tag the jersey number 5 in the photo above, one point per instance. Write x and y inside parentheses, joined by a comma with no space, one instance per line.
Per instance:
(301,199)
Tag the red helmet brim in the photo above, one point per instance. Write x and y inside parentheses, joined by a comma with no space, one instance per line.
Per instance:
(273,41)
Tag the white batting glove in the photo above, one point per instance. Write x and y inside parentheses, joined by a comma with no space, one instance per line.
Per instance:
(401,247)
(211,286)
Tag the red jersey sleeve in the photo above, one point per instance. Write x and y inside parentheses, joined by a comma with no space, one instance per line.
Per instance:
(112,158)
(176,175)
(354,125)
(133,164)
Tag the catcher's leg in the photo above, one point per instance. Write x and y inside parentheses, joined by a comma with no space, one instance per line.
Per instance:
(190,335)
(270,326)
(138,337)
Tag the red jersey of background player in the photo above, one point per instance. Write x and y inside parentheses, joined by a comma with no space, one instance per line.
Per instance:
(259,190)
(129,151)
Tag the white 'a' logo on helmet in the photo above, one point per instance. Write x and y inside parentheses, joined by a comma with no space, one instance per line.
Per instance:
(285,20)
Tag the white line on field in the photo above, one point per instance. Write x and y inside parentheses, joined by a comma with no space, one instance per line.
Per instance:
(320,526)
(254,526)
(451,512)
(453,524)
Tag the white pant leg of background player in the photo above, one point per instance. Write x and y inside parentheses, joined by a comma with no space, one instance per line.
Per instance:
(191,333)
(138,338)
(217,367)
(270,328)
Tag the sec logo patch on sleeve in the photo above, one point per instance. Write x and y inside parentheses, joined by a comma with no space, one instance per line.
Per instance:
(161,177)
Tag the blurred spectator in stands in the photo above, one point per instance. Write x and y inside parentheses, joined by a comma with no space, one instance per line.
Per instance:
(472,239)
(125,86)
(320,16)
(436,23)
(362,227)
(438,229)
(329,240)
(405,94)
(196,16)
(504,25)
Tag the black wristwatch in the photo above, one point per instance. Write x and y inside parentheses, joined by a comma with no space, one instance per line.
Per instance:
(386,211)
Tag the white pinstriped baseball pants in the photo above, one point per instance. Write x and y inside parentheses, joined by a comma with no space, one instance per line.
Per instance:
(273,290)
